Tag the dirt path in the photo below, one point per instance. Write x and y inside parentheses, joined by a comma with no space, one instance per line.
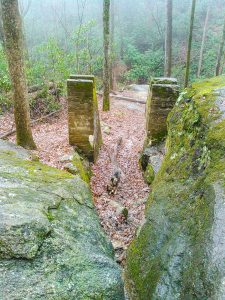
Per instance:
(125,120)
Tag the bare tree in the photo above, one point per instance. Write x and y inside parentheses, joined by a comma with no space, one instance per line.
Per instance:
(106,71)
(203,42)
(13,34)
(1,29)
(190,43)
(112,48)
(80,8)
(221,50)
(168,39)
(24,7)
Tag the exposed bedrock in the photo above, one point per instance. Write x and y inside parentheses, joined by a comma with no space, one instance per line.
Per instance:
(179,253)
(51,243)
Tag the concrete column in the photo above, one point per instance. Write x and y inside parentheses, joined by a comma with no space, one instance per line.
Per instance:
(163,94)
(83,116)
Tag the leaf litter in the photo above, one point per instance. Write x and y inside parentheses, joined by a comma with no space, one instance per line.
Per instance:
(125,121)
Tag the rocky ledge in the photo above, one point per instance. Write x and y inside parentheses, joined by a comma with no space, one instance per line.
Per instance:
(179,253)
(51,243)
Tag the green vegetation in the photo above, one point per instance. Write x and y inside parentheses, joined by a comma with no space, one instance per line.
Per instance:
(71,41)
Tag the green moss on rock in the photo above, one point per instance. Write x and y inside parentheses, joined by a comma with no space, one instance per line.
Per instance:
(149,174)
(52,245)
(82,166)
(179,253)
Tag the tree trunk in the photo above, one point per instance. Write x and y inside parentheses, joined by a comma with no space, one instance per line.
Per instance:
(203,42)
(106,71)
(190,43)
(1,28)
(220,54)
(112,48)
(12,27)
(168,39)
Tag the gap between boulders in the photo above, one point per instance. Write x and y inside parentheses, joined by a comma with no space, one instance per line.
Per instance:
(122,213)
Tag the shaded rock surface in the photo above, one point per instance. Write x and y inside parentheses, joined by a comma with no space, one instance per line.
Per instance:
(153,155)
(179,251)
(51,243)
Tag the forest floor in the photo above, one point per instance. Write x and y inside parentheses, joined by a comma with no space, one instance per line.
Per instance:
(125,120)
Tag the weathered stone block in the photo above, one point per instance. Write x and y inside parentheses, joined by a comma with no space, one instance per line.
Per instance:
(84,122)
(163,93)
(163,80)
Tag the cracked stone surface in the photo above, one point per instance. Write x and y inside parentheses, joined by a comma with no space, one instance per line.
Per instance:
(52,245)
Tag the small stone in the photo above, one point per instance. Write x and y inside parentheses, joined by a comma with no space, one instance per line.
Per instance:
(120,210)
(66,158)
(69,167)
(105,128)
(117,245)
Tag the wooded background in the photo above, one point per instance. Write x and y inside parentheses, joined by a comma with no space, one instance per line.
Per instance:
(66,36)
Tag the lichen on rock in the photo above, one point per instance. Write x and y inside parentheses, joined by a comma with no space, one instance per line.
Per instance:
(52,245)
(179,251)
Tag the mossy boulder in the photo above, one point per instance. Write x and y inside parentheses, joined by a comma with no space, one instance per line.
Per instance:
(52,245)
(179,253)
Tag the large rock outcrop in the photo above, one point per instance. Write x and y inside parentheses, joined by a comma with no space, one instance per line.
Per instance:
(179,253)
(51,243)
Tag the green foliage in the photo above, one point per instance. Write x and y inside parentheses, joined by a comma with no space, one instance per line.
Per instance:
(49,63)
(45,101)
(72,42)
(52,61)
(4,78)
(5,85)
(143,65)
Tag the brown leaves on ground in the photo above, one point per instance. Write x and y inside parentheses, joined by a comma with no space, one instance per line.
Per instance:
(125,120)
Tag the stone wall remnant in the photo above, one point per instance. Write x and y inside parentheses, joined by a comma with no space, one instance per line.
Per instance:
(83,115)
(163,93)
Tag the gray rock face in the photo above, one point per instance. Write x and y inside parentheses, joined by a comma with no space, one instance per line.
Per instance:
(179,253)
(22,230)
(51,242)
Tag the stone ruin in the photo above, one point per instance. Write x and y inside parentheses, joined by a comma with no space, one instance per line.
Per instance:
(163,94)
(83,116)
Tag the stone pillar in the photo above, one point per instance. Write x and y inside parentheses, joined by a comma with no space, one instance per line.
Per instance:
(83,116)
(163,94)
